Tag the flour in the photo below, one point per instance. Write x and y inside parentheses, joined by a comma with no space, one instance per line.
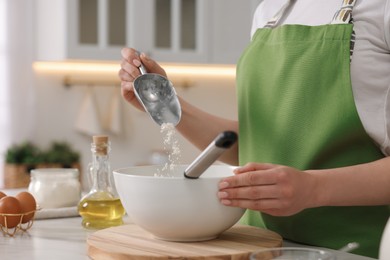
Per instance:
(172,147)
(55,188)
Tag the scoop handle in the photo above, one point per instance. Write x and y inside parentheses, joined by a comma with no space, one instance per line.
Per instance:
(141,68)
(221,143)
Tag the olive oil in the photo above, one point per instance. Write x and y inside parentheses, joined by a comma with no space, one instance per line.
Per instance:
(101,207)
(101,213)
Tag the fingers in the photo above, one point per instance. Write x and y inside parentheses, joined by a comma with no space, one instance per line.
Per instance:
(129,54)
(131,62)
(127,90)
(250,175)
(253,167)
(131,68)
(127,86)
(251,192)
(273,189)
(252,187)
(266,198)
(125,76)
(129,71)
(129,65)
(273,207)
(263,205)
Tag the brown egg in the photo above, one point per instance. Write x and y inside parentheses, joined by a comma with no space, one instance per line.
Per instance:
(9,205)
(2,194)
(27,204)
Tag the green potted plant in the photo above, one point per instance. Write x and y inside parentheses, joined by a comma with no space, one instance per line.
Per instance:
(61,155)
(19,160)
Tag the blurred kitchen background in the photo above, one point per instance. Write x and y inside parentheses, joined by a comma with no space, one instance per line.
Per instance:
(59,61)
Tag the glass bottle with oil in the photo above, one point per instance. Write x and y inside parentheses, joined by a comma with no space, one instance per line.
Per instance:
(101,207)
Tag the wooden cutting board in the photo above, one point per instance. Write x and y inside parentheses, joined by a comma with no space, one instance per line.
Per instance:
(132,242)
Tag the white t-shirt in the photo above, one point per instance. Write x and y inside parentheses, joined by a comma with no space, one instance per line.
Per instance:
(370,67)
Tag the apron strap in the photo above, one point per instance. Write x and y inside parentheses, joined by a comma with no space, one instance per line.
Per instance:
(344,15)
(276,18)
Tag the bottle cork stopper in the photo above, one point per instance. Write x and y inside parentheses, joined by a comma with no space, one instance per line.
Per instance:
(101,143)
(100,139)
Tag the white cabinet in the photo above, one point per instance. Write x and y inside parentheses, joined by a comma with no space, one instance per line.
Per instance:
(175,30)
(190,31)
(83,29)
(205,31)
(168,30)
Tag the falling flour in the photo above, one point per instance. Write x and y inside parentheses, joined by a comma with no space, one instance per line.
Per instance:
(171,146)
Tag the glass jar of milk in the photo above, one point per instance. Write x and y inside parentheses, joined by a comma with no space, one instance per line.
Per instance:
(55,187)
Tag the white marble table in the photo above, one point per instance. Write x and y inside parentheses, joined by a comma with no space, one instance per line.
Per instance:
(61,238)
(65,238)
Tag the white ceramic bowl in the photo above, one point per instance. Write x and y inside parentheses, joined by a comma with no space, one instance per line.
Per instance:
(176,208)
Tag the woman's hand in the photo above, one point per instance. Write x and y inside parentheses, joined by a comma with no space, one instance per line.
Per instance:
(273,189)
(129,72)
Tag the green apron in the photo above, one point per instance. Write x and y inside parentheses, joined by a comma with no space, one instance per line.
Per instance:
(296,108)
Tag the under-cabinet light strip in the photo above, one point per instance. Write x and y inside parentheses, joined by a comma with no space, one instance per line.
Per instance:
(113,68)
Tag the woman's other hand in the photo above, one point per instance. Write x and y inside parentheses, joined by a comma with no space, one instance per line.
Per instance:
(129,72)
(273,189)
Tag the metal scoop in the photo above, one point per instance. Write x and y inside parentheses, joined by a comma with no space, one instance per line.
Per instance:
(220,144)
(158,96)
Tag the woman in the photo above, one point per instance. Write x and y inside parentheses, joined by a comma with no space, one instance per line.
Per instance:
(314,121)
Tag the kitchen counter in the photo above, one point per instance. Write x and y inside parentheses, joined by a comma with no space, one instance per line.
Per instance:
(65,238)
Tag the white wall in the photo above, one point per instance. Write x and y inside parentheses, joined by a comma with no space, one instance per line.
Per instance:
(57,108)
(17,54)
